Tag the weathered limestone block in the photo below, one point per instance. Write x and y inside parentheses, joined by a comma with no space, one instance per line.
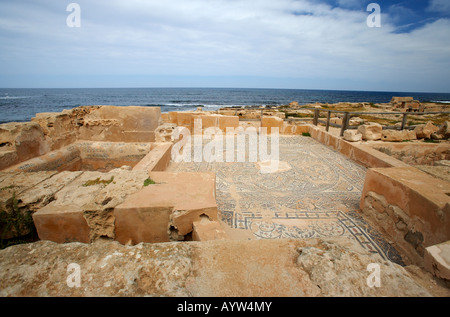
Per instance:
(64,159)
(398,136)
(158,159)
(25,138)
(424,131)
(43,193)
(205,229)
(437,260)
(15,218)
(172,117)
(414,210)
(164,132)
(166,210)
(443,132)
(352,136)
(270,123)
(165,117)
(120,124)
(308,267)
(293,129)
(370,131)
(184,119)
(8,158)
(58,127)
(83,210)
(416,153)
(105,156)
(228,122)
(15,183)
(356,121)
(209,121)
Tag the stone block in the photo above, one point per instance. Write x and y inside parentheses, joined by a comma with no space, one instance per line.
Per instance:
(206,229)
(83,210)
(370,131)
(437,260)
(352,136)
(173,117)
(176,201)
(25,138)
(271,122)
(228,122)
(398,136)
(184,119)
(422,200)
(164,132)
(58,128)
(165,117)
(61,224)
(157,159)
(209,121)
(443,132)
(121,124)
(424,131)
(8,158)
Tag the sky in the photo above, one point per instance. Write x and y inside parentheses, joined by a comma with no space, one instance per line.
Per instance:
(299,44)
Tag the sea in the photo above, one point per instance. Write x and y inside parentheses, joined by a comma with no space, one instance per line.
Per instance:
(20,104)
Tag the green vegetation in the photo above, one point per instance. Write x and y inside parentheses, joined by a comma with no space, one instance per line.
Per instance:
(99,181)
(298,115)
(306,134)
(8,187)
(18,222)
(431,141)
(149,181)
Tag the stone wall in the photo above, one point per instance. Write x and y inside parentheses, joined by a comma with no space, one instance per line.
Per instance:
(411,207)
(47,132)
(417,153)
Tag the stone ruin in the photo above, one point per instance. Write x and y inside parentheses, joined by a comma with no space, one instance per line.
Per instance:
(99,172)
(406,104)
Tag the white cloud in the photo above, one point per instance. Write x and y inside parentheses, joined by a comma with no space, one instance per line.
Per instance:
(442,6)
(283,38)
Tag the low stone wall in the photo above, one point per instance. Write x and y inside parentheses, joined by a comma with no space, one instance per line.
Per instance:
(416,153)
(48,132)
(87,156)
(363,154)
(410,206)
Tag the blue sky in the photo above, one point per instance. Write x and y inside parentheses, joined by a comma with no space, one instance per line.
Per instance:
(305,44)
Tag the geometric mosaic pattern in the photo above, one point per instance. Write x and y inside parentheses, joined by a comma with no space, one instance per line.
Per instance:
(316,195)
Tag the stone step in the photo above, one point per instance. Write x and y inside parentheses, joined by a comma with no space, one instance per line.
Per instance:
(166,211)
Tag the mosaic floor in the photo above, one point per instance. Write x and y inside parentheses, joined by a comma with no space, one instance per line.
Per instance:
(315,194)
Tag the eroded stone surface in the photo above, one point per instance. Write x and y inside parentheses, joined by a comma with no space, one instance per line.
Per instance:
(213,268)
(90,199)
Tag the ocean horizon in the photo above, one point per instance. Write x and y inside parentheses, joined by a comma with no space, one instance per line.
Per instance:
(21,104)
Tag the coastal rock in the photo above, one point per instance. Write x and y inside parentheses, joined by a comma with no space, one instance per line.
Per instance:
(311,267)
